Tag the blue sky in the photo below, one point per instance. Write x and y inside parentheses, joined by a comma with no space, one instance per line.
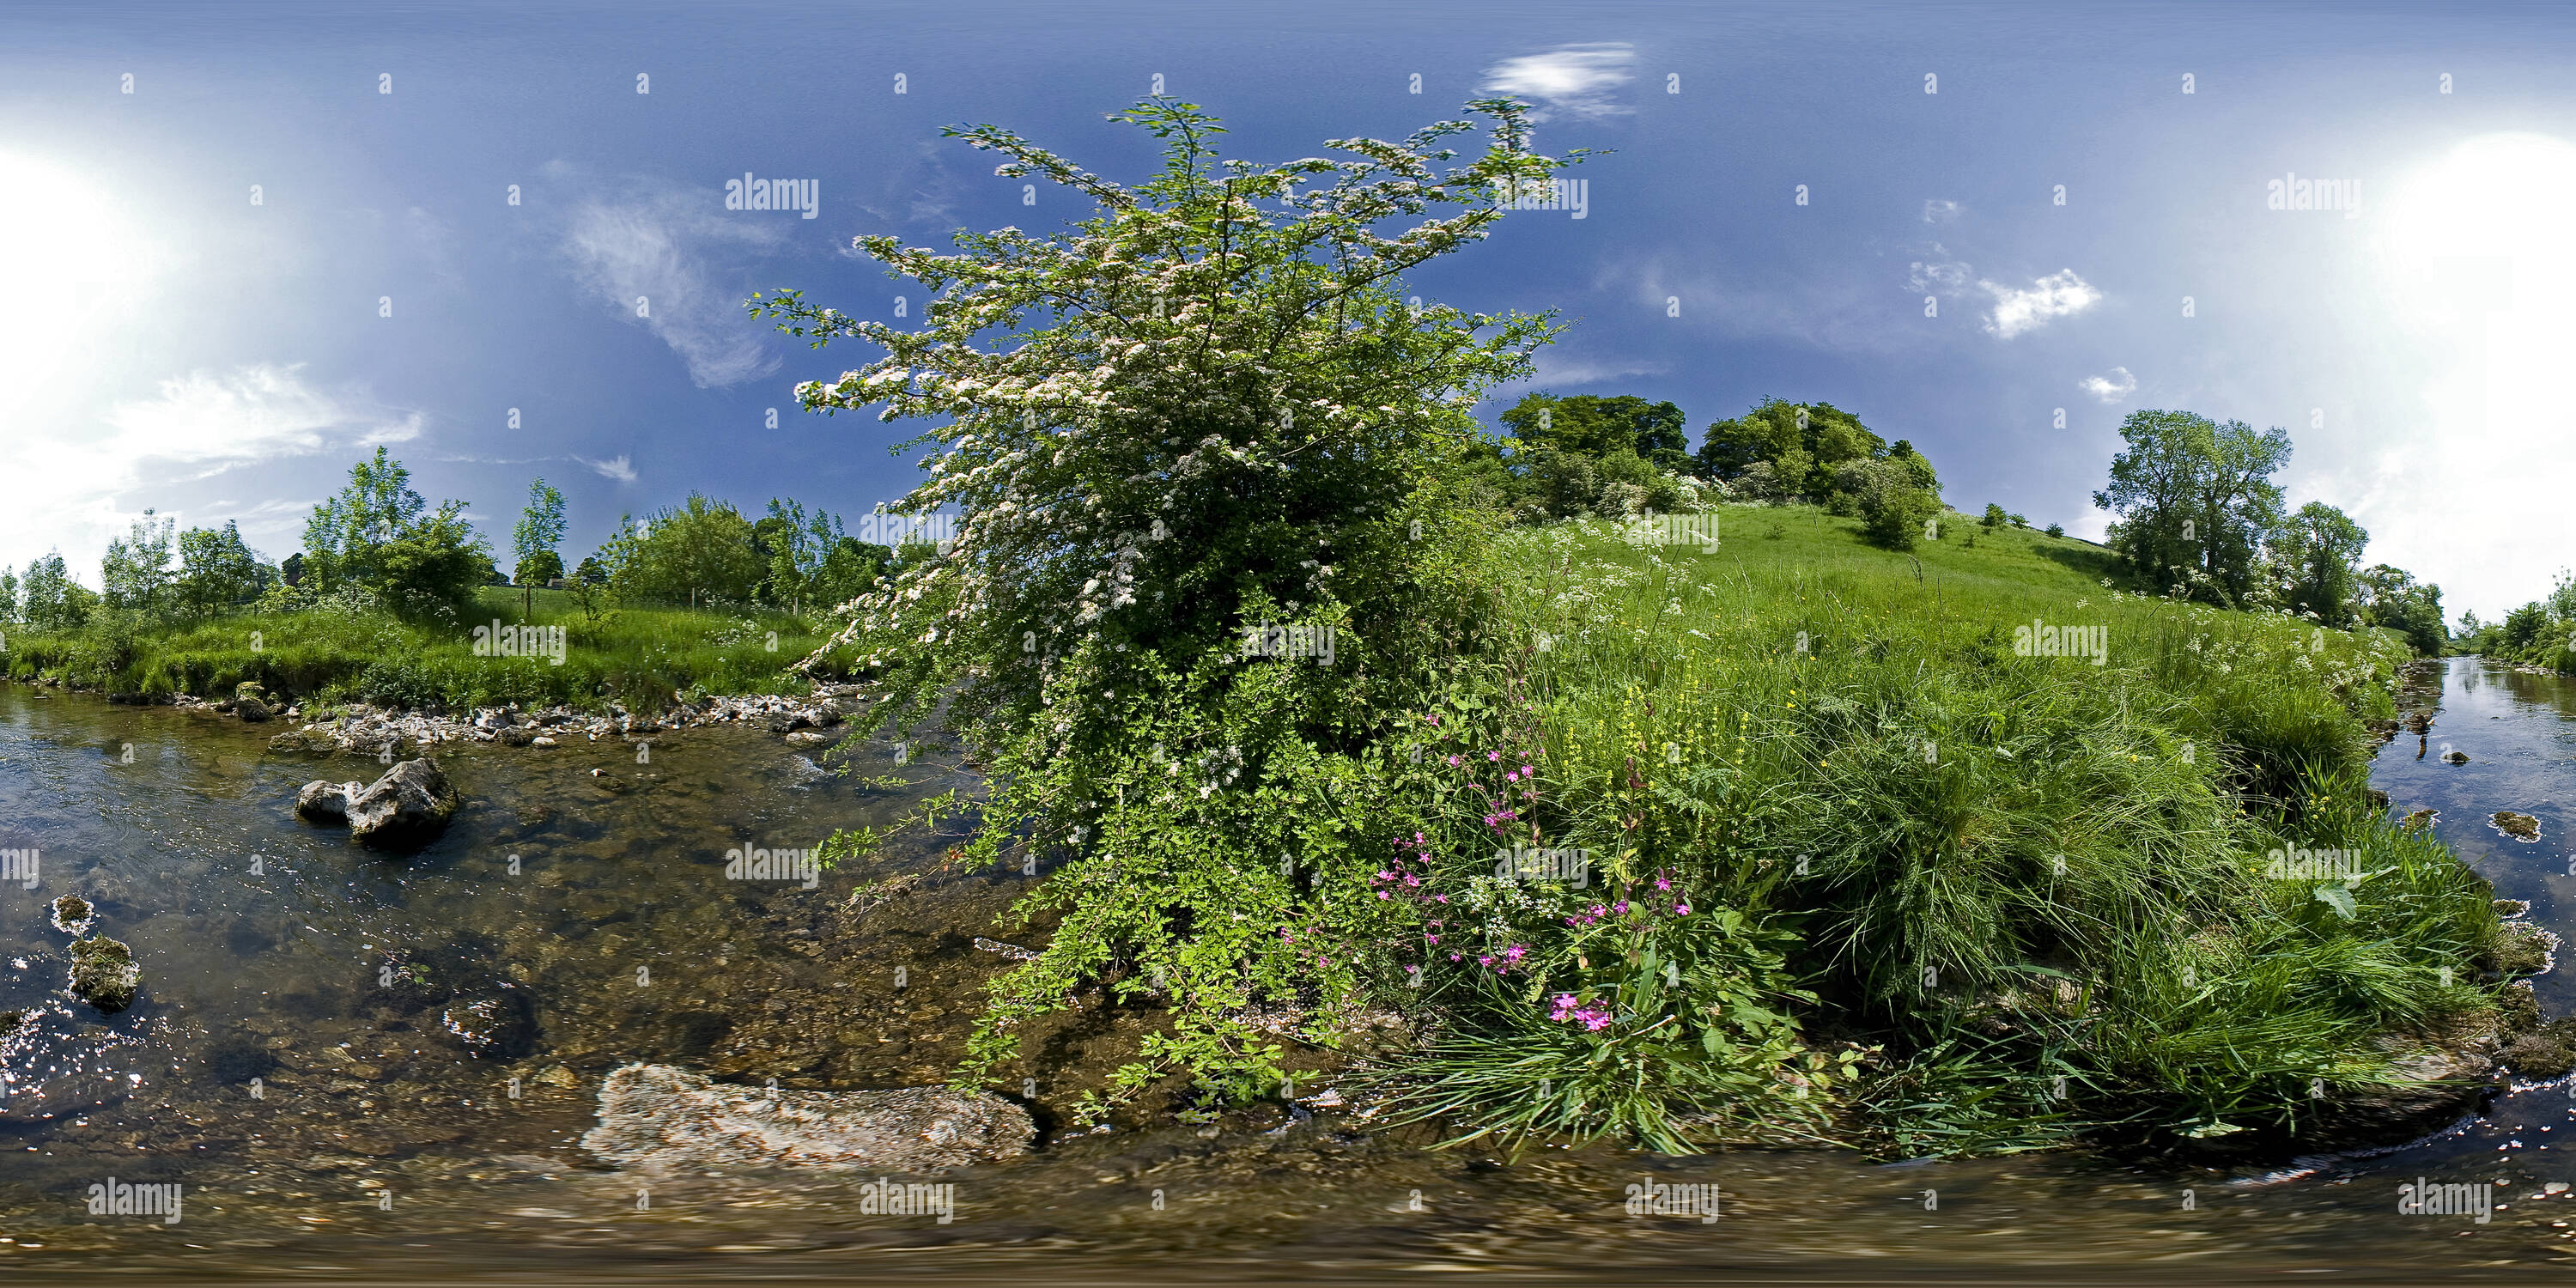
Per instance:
(165,342)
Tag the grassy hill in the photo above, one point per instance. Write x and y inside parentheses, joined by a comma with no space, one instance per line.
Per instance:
(2003,898)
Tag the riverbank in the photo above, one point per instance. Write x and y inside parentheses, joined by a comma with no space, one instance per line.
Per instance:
(534,649)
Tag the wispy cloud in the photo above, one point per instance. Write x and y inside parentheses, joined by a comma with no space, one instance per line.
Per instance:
(2111,388)
(1940,210)
(1574,79)
(617,467)
(652,255)
(2020,309)
(1938,274)
(1555,368)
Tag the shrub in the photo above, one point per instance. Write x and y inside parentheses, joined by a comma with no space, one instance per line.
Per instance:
(1130,509)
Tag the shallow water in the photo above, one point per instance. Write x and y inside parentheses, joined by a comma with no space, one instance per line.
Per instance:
(378,1149)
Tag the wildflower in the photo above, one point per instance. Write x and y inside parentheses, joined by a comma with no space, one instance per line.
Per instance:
(1493,755)
(1681,910)
(1662,883)
(1453,762)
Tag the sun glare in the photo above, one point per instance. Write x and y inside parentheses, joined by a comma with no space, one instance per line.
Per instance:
(71,259)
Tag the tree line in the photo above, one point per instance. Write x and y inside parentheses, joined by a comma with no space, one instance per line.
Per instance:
(378,542)
(2200,518)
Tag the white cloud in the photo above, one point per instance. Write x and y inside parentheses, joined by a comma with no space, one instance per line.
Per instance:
(2112,388)
(1576,79)
(2060,294)
(617,467)
(196,426)
(1940,210)
(1937,275)
(656,247)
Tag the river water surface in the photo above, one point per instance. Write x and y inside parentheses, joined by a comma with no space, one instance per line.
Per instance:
(376,1148)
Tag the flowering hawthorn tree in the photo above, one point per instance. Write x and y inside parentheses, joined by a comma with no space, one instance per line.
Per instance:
(1197,424)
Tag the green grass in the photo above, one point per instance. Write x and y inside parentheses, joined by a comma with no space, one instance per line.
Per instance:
(640,656)
(1999,870)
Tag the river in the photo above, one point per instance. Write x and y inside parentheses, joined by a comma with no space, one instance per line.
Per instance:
(376,1149)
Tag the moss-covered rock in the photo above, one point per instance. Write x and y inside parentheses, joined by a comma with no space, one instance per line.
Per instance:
(104,974)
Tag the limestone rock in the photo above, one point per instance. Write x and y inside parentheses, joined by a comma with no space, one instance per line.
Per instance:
(410,805)
(656,1117)
(324,802)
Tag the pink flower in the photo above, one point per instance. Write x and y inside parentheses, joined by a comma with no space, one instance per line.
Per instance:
(1526,771)
(1493,755)
(1660,883)
(1681,909)
(1381,894)
(1453,762)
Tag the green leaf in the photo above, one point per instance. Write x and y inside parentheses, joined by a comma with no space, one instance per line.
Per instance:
(2339,897)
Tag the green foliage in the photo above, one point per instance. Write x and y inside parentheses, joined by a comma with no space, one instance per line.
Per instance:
(700,551)
(53,601)
(2316,556)
(1130,506)
(218,571)
(345,644)
(811,560)
(135,572)
(533,539)
(377,534)
(2196,503)
(2392,598)
(2001,870)
(1596,426)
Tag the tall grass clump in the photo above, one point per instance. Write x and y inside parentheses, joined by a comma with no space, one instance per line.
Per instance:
(1959,897)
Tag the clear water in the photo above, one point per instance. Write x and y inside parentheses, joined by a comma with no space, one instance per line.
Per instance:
(623,869)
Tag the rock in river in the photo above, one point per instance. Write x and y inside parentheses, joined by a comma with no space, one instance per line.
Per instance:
(323,802)
(656,1117)
(409,805)
(104,974)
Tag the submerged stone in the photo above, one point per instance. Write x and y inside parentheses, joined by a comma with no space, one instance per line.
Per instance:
(657,1117)
(2521,827)
(498,1023)
(104,974)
